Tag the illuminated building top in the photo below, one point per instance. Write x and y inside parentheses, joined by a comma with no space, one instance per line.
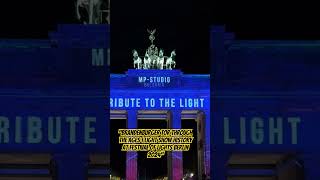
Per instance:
(154,58)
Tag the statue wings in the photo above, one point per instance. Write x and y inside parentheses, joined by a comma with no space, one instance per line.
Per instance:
(152,31)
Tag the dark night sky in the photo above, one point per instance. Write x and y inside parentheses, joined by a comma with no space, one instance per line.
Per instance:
(33,18)
(249,18)
(185,27)
(269,19)
(181,25)
(177,28)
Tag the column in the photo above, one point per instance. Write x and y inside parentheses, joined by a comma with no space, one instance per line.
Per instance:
(175,167)
(207,143)
(219,152)
(71,166)
(311,162)
(219,164)
(132,157)
(201,142)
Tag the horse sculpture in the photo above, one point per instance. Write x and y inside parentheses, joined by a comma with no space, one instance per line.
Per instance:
(154,59)
(146,61)
(82,11)
(170,63)
(89,14)
(160,60)
(137,61)
(153,55)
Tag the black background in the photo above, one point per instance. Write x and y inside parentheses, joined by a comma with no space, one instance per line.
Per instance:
(184,26)
(34,18)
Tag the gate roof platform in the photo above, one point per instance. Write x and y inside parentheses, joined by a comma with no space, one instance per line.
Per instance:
(179,80)
(160,84)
